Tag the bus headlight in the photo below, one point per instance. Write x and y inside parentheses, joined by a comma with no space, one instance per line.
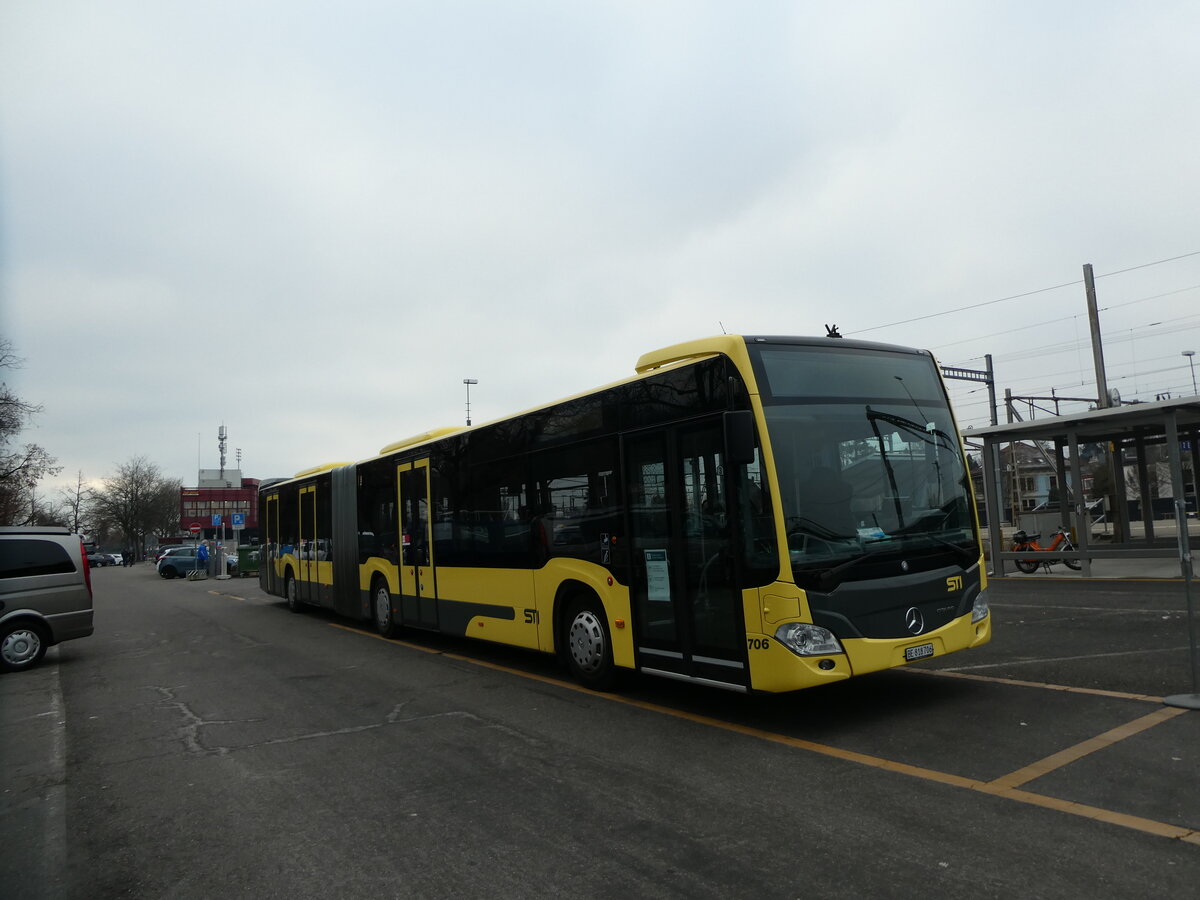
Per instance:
(979,611)
(808,640)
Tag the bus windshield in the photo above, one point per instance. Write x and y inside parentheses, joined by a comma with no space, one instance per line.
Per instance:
(868,461)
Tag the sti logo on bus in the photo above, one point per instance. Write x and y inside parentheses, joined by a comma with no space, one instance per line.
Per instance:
(954,583)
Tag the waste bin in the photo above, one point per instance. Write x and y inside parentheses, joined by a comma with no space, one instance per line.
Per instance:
(247,560)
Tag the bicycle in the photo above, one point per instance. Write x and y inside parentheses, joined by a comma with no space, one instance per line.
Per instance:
(1062,541)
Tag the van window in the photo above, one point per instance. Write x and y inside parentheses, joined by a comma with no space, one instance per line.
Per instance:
(23,558)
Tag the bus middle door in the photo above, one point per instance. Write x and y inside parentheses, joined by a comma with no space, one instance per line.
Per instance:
(308,587)
(418,581)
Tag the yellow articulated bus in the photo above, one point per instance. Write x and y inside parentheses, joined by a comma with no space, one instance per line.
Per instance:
(753,513)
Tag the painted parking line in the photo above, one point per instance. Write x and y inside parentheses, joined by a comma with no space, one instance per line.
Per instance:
(1035,660)
(1085,748)
(1041,685)
(1007,786)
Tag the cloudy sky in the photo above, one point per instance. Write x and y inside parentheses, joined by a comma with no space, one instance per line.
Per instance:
(310,222)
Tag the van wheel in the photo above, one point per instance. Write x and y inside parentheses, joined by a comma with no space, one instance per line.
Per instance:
(22,646)
(167,572)
(589,647)
(381,606)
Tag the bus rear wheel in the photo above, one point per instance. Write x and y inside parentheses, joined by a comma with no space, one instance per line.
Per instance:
(589,646)
(381,604)
(292,593)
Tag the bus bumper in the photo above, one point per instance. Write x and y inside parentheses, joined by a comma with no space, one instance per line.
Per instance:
(775,669)
(876,654)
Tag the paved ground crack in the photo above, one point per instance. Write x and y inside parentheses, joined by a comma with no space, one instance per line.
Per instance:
(191,732)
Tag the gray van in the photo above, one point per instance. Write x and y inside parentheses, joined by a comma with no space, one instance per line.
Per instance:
(45,593)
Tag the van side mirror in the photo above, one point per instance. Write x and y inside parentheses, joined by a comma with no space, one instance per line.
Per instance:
(739,437)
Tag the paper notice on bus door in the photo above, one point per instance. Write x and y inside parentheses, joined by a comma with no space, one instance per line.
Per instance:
(658,579)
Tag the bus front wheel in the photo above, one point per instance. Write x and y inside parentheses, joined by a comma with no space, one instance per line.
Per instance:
(589,646)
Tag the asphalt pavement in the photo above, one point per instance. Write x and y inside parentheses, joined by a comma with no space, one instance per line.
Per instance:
(205,742)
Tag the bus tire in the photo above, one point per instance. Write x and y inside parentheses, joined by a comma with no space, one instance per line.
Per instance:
(381,609)
(588,643)
(292,593)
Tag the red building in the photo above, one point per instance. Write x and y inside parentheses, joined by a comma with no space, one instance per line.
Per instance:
(220,497)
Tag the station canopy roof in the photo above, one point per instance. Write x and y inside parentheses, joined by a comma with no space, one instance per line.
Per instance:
(1118,423)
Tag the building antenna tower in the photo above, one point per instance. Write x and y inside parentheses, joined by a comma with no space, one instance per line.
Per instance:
(221,435)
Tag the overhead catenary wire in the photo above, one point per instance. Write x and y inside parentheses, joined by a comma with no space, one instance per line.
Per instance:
(991,335)
(1022,295)
(1138,381)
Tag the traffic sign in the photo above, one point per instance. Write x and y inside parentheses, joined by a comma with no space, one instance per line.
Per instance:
(239,521)
(217,521)
(194,528)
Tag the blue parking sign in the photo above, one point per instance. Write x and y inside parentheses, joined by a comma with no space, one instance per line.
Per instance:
(216,521)
(239,520)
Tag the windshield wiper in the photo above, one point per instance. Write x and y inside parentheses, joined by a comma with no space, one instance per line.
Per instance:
(801,525)
(827,577)
(887,464)
(911,426)
(969,555)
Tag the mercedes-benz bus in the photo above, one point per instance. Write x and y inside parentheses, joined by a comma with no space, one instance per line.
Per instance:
(752,513)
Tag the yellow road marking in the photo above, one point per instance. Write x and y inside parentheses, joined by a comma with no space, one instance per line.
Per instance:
(1137,823)
(1006,786)
(1096,692)
(1071,754)
(398,643)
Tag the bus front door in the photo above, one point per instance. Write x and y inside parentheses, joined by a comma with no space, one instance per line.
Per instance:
(418,581)
(687,605)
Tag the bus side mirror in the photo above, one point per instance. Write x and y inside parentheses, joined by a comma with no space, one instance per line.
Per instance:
(739,437)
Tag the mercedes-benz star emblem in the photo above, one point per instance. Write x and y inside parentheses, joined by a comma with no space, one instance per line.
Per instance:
(904,565)
(914,621)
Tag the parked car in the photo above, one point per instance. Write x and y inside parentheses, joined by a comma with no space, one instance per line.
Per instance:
(177,561)
(117,559)
(181,560)
(45,593)
(97,559)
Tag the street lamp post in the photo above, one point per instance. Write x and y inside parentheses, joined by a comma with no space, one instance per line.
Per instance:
(1190,354)
(468,382)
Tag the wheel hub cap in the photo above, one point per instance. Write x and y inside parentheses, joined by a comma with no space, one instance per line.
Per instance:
(20,647)
(586,640)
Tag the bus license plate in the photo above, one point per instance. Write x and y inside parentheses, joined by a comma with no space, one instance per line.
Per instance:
(919,652)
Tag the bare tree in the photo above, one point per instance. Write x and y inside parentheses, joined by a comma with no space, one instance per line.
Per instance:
(135,503)
(21,467)
(73,503)
(162,512)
